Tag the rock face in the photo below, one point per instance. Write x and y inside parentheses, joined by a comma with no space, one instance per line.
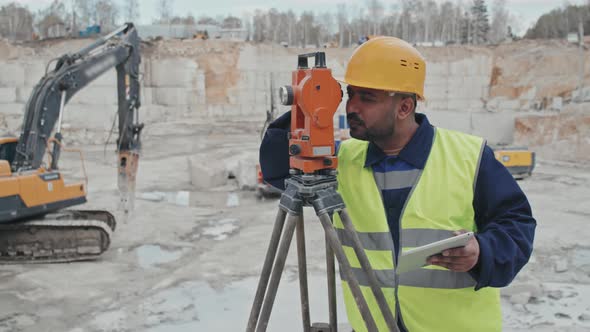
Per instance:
(503,93)
(564,136)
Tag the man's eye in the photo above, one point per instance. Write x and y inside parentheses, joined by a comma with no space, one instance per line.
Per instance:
(367,99)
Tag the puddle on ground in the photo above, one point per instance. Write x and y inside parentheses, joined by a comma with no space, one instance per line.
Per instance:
(195,306)
(232,200)
(150,255)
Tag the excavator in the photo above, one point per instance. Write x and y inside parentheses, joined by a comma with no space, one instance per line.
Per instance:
(35,225)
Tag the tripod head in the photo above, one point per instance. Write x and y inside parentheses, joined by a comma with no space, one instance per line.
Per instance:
(314,97)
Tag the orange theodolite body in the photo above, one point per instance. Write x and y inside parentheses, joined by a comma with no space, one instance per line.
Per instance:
(314,96)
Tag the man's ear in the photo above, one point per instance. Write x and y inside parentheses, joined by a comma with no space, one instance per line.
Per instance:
(406,108)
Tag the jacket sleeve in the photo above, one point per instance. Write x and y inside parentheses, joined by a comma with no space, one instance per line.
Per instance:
(506,227)
(274,152)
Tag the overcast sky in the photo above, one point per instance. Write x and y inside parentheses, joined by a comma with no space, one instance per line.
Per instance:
(526,11)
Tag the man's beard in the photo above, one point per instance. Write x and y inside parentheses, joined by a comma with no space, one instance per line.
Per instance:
(369,134)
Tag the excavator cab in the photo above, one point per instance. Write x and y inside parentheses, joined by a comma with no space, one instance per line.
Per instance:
(8,149)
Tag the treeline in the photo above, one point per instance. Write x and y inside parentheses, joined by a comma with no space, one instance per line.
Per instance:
(560,22)
(417,21)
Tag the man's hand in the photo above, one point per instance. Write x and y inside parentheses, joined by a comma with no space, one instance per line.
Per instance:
(458,259)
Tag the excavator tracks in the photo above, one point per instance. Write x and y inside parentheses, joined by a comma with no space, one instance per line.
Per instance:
(64,236)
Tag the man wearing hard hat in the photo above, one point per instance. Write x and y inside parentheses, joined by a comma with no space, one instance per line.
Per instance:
(407,183)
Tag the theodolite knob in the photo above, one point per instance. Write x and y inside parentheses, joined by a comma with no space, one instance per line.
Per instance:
(294,149)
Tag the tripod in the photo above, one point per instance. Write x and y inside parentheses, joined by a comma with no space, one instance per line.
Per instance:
(320,192)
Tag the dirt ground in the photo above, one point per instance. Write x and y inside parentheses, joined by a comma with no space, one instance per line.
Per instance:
(189,260)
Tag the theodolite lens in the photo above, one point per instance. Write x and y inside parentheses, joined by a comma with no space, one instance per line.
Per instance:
(286,95)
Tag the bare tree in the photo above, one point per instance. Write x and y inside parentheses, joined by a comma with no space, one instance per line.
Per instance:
(16,22)
(53,20)
(429,17)
(84,12)
(291,27)
(106,14)
(131,10)
(231,22)
(375,12)
(448,22)
(342,19)
(187,20)
(325,27)
(207,20)
(307,27)
(273,20)
(259,23)
(499,26)
(164,7)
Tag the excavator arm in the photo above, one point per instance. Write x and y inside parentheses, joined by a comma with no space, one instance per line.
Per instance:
(72,72)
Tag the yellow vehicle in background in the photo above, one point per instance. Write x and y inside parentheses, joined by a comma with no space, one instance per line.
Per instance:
(519,161)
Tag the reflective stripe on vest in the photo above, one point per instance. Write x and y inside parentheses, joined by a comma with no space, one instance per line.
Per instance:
(439,203)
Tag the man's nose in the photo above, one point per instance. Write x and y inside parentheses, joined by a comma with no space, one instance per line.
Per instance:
(351,106)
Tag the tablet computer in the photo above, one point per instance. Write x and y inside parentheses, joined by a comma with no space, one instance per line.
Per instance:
(416,258)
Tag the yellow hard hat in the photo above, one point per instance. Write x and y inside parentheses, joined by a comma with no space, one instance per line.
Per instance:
(387,63)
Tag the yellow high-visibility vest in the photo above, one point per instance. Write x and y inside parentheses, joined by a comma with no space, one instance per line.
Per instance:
(431,298)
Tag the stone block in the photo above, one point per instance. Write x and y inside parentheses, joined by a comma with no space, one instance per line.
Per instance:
(497,128)
(214,110)
(92,117)
(476,81)
(146,96)
(12,109)
(434,104)
(7,95)
(461,105)
(13,74)
(439,80)
(463,68)
(203,175)
(450,119)
(10,124)
(246,175)
(508,105)
(250,109)
(95,95)
(170,96)
(464,91)
(14,123)
(557,103)
(476,105)
(23,93)
(197,99)
(173,72)
(152,113)
(200,80)
(107,79)
(34,71)
(436,92)
(437,69)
